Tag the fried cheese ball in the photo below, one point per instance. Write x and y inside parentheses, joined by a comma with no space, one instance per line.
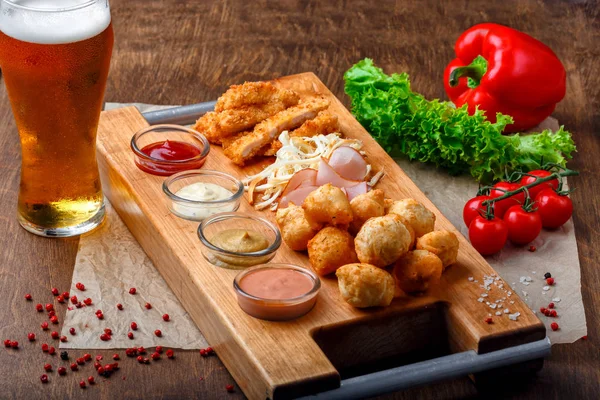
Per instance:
(420,218)
(382,240)
(417,270)
(330,249)
(365,206)
(443,244)
(365,285)
(295,229)
(327,205)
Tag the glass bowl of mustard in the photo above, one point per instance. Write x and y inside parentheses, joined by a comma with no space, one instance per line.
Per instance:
(198,194)
(238,240)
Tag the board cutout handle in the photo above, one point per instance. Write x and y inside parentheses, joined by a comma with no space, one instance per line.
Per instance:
(434,370)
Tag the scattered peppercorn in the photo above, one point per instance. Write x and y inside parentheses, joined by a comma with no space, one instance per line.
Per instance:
(116,357)
(74,367)
(132,352)
(140,359)
(133,326)
(44,325)
(65,295)
(532,248)
(55,291)
(54,319)
(51,313)
(155,356)
(14,344)
(158,333)
(553,313)
(39,307)
(554,326)
(141,350)
(548,313)
(130,335)
(28,297)
(44,347)
(91,380)
(7,343)
(148,306)
(100,370)
(63,339)
(97,365)
(489,320)
(584,337)
(87,357)
(49,307)
(100,316)
(104,337)
(547,275)
(543,310)
(47,367)
(159,349)
(44,378)
(31,336)
(64,355)
(54,335)
(80,361)
(74,299)
(72,331)
(166,317)
(51,350)
(80,286)
(62,371)
(82,384)
(551,305)
(550,281)
(203,352)
(170,354)
(108,331)
(79,304)
(60,299)
(87,302)
(132,290)
(120,306)
(229,388)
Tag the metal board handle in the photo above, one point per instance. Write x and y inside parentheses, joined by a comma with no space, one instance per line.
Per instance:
(183,115)
(434,370)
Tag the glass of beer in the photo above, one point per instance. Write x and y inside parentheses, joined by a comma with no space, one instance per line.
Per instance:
(55,57)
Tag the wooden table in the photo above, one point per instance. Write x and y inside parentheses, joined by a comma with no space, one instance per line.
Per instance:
(179,52)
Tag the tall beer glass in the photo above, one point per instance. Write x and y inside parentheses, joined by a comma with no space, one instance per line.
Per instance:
(55,56)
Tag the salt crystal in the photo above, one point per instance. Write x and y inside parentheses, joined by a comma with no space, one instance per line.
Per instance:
(498,313)
(533,272)
(556,299)
(511,302)
(524,293)
(509,293)
(492,306)
(480,300)
(484,295)
(506,311)
(546,288)
(513,317)
(470,279)
(497,278)
(476,280)
(488,303)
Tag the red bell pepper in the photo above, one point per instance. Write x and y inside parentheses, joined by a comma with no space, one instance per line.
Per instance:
(499,69)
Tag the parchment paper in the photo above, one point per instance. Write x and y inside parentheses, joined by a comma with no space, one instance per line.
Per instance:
(110,261)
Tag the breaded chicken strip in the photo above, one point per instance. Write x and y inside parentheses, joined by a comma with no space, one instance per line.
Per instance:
(323,124)
(251,93)
(208,125)
(264,133)
(242,119)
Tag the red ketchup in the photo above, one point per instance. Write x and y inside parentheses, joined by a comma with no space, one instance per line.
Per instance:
(174,157)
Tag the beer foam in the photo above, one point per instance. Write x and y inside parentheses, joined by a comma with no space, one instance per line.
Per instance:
(43,22)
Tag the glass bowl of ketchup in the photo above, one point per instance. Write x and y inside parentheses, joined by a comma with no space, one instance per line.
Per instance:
(167,149)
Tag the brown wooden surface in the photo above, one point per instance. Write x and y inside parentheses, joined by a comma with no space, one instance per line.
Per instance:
(172,52)
(266,357)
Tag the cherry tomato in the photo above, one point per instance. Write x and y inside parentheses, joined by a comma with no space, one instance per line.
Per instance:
(501,206)
(488,236)
(538,173)
(473,208)
(523,226)
(555,209)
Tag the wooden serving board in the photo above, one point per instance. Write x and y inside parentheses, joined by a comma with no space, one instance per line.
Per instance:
(307,355)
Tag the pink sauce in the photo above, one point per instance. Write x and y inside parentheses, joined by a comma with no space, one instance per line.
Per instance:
(276,284)
(273,286)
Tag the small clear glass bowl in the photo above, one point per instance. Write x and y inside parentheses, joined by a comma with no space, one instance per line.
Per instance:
(198,210)
(234,220)
(277,309)
(175,133)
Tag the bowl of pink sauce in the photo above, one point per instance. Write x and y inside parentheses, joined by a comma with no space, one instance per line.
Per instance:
(276,292)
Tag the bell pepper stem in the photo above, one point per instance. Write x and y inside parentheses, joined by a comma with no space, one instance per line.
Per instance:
(475,71)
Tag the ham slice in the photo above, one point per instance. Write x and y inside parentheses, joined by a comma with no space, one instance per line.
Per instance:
(296,196)
(327,174)
(348,163)
(353,191)
(304,177)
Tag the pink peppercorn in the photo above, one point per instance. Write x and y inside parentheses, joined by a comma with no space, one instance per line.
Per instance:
(132,290)
(166,317)
(554,326)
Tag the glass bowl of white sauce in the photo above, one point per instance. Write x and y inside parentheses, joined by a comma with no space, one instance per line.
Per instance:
(196,195)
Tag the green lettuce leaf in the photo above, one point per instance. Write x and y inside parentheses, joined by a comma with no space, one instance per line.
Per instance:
(406,123)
